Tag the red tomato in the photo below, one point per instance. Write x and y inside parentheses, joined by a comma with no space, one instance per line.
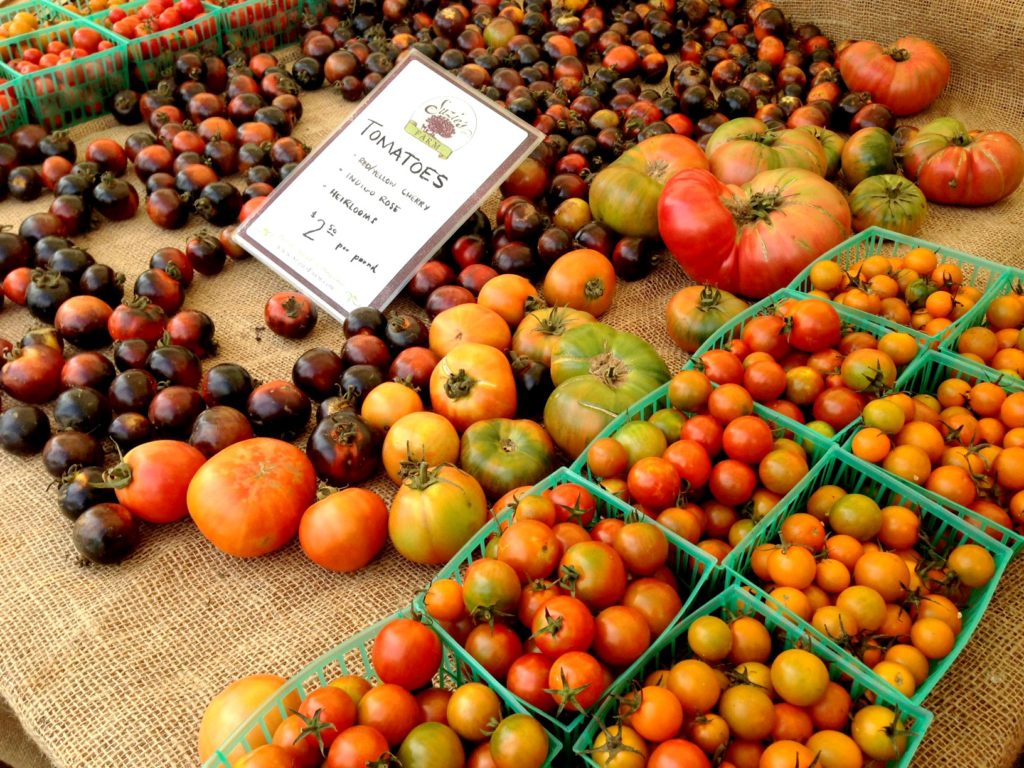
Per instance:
(328,711)
(406,653)
(152,481)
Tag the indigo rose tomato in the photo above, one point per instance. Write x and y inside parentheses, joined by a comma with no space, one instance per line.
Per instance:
(955,166)
(906,77)
(624,195)
(755,239)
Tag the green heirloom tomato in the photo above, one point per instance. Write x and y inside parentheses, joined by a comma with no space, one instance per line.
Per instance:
(832,143)
(889,201)
(869,152)
(503,454)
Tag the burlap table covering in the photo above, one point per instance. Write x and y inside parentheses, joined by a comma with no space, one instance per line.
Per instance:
(112,666)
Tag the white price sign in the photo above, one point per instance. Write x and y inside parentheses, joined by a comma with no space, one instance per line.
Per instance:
(354,222)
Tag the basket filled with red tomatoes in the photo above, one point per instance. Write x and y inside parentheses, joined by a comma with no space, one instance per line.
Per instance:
(394,690)
(961,440)
(27,17)
(67,72)
(905,283)
(254,26)
(12,109)
(738,681)
(880,571)
(993,333)
(158,32)
(561,592)
(812,361)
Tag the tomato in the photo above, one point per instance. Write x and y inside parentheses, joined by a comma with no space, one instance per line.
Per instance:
(621,635)
(344,531)
(152,480)
(814,326)
(696,312)
(270,756)
(582,279)
(752,240)
(431,745)
(879,733)
(406,652)
(799,677)
(619,746)
(598,373)
(391,710)
(576,681)
(624,195)
(540,329)
(906,76)
(471,383)
(657,601)
(519,741)
(344,449)
(868,152)
(748,710)
(356,747)
(890,201)
(387,403)
(416,437)
(594,572)
(249,498)
(678,753)
(233,706)
(292,733)
(528,679)
(573,503)
(835,749)
(504,454)
(471,709)
(509,295)
(831,142)
(468,323)
(328,711)
(747,438)
(955,166)
(32,374)
(435,512)
(745,146)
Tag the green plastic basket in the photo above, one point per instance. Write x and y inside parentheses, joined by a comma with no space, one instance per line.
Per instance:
(47,14)
(351,657)
(977,316)
(71,93)
(875,241)
(152,56)
(12,108)
(923,376)
(255,26)
(734,601)
(943,529)
(691,565)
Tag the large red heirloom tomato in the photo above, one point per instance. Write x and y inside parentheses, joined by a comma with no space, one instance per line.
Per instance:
(742,148)
(955,166)
(624,195)
(249,498)
(753,239)
(906,77)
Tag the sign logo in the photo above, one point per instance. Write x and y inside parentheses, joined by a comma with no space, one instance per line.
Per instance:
(444,125)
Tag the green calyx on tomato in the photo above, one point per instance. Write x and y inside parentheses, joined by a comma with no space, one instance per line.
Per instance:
(696,312)
(459,385)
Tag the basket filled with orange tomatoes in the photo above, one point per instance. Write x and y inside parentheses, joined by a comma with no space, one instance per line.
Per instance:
(811,361)
(959,435)
(554,598)
(993,334)
(394,690)
(879,570)
(905,283)
(737,681)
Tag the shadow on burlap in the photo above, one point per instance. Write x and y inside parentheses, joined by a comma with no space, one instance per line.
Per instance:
(113,666)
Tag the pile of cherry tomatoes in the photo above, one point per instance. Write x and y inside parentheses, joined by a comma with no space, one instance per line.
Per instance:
(998,341)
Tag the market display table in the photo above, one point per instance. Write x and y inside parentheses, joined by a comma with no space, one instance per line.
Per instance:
(111,666)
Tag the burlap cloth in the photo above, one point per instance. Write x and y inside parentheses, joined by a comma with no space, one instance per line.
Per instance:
(112,666)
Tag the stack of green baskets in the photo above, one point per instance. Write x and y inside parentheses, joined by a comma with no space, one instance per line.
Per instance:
(977,316)
(672,647)
(254,26)
(940,528)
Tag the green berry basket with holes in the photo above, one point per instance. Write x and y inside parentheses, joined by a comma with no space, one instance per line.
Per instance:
(255,26)
(46,14)
(924,376)
(940,531)
(997,309)
(874,241)
(351,657)
(151,56)
(66,94)
(691,566)
(12,108)
(813,442)
(734,602)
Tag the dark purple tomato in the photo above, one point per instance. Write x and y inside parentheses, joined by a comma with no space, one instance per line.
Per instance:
(15,252)
(218,427)
(82,409)
(428,278)
(219,203)
(413,366)
(25,184)
(404,331)
(66,449)
(470,249)
(633,258)
(344,449)
(205,254)
(365,320)
(88,369)
(36,226)
(103,282)
(82,488)
(130,429)
(131,353)
(174,364)
(446,297)
(316,372)
(24,429)
(227,384)
(46,292)
(71,262)
(173,411)
(278,409)
(357,381)
(533,386)
(73,212)
(290,314)
(105,534)
(514,258)
(161,289)
(167,209)
(552,243)
(473,277)
(132,390)
(597,237)
(174,262)
(192,329)
(114,198)
(363,349)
